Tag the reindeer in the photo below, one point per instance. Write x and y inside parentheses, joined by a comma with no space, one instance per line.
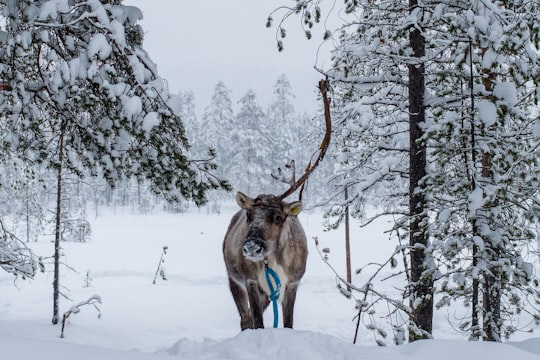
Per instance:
(265,233)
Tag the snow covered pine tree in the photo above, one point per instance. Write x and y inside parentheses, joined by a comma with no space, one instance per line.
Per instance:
(80,94)
(481,187)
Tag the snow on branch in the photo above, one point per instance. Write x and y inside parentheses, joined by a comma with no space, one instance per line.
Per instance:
(106,74)
(93,300)
(15,257)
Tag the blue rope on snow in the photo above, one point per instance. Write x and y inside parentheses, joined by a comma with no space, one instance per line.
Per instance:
(274,292)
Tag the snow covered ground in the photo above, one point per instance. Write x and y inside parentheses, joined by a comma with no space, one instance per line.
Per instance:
(192,315)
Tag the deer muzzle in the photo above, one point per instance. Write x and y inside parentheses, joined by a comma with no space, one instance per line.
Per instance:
(254,249)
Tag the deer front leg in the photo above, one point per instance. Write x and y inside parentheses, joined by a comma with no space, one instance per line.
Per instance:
(255,305)
(287,306)
(240,297)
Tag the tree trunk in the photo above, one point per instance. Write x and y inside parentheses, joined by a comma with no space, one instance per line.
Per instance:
(27,203)
(475,322)
(421,286)
(57,234)
(492,279)
(347,240)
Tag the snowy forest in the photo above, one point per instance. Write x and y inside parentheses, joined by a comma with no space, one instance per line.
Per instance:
(435,124)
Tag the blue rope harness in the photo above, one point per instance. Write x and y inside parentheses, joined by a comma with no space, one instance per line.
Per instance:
(274,292)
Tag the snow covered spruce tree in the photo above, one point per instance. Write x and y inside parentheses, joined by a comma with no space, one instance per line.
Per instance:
(194,128)
(281,119)
(80,95)
(216,127)
(251,163)
(290,134)
(18,198)
(22,196)
(485,178)
(480,193)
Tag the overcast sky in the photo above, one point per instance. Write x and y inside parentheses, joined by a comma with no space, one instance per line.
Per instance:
(197,43)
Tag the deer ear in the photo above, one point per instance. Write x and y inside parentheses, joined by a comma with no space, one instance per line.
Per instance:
(293,208)
(244,201)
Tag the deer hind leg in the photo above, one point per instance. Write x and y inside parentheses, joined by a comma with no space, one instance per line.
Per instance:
(240,297)
(287,306)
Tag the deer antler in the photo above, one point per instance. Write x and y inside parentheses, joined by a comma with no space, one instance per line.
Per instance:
(323,88)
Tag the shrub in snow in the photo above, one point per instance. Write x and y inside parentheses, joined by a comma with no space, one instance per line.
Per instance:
(160,269)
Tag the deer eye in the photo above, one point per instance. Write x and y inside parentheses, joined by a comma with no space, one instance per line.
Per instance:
(249,215)
(278,218)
